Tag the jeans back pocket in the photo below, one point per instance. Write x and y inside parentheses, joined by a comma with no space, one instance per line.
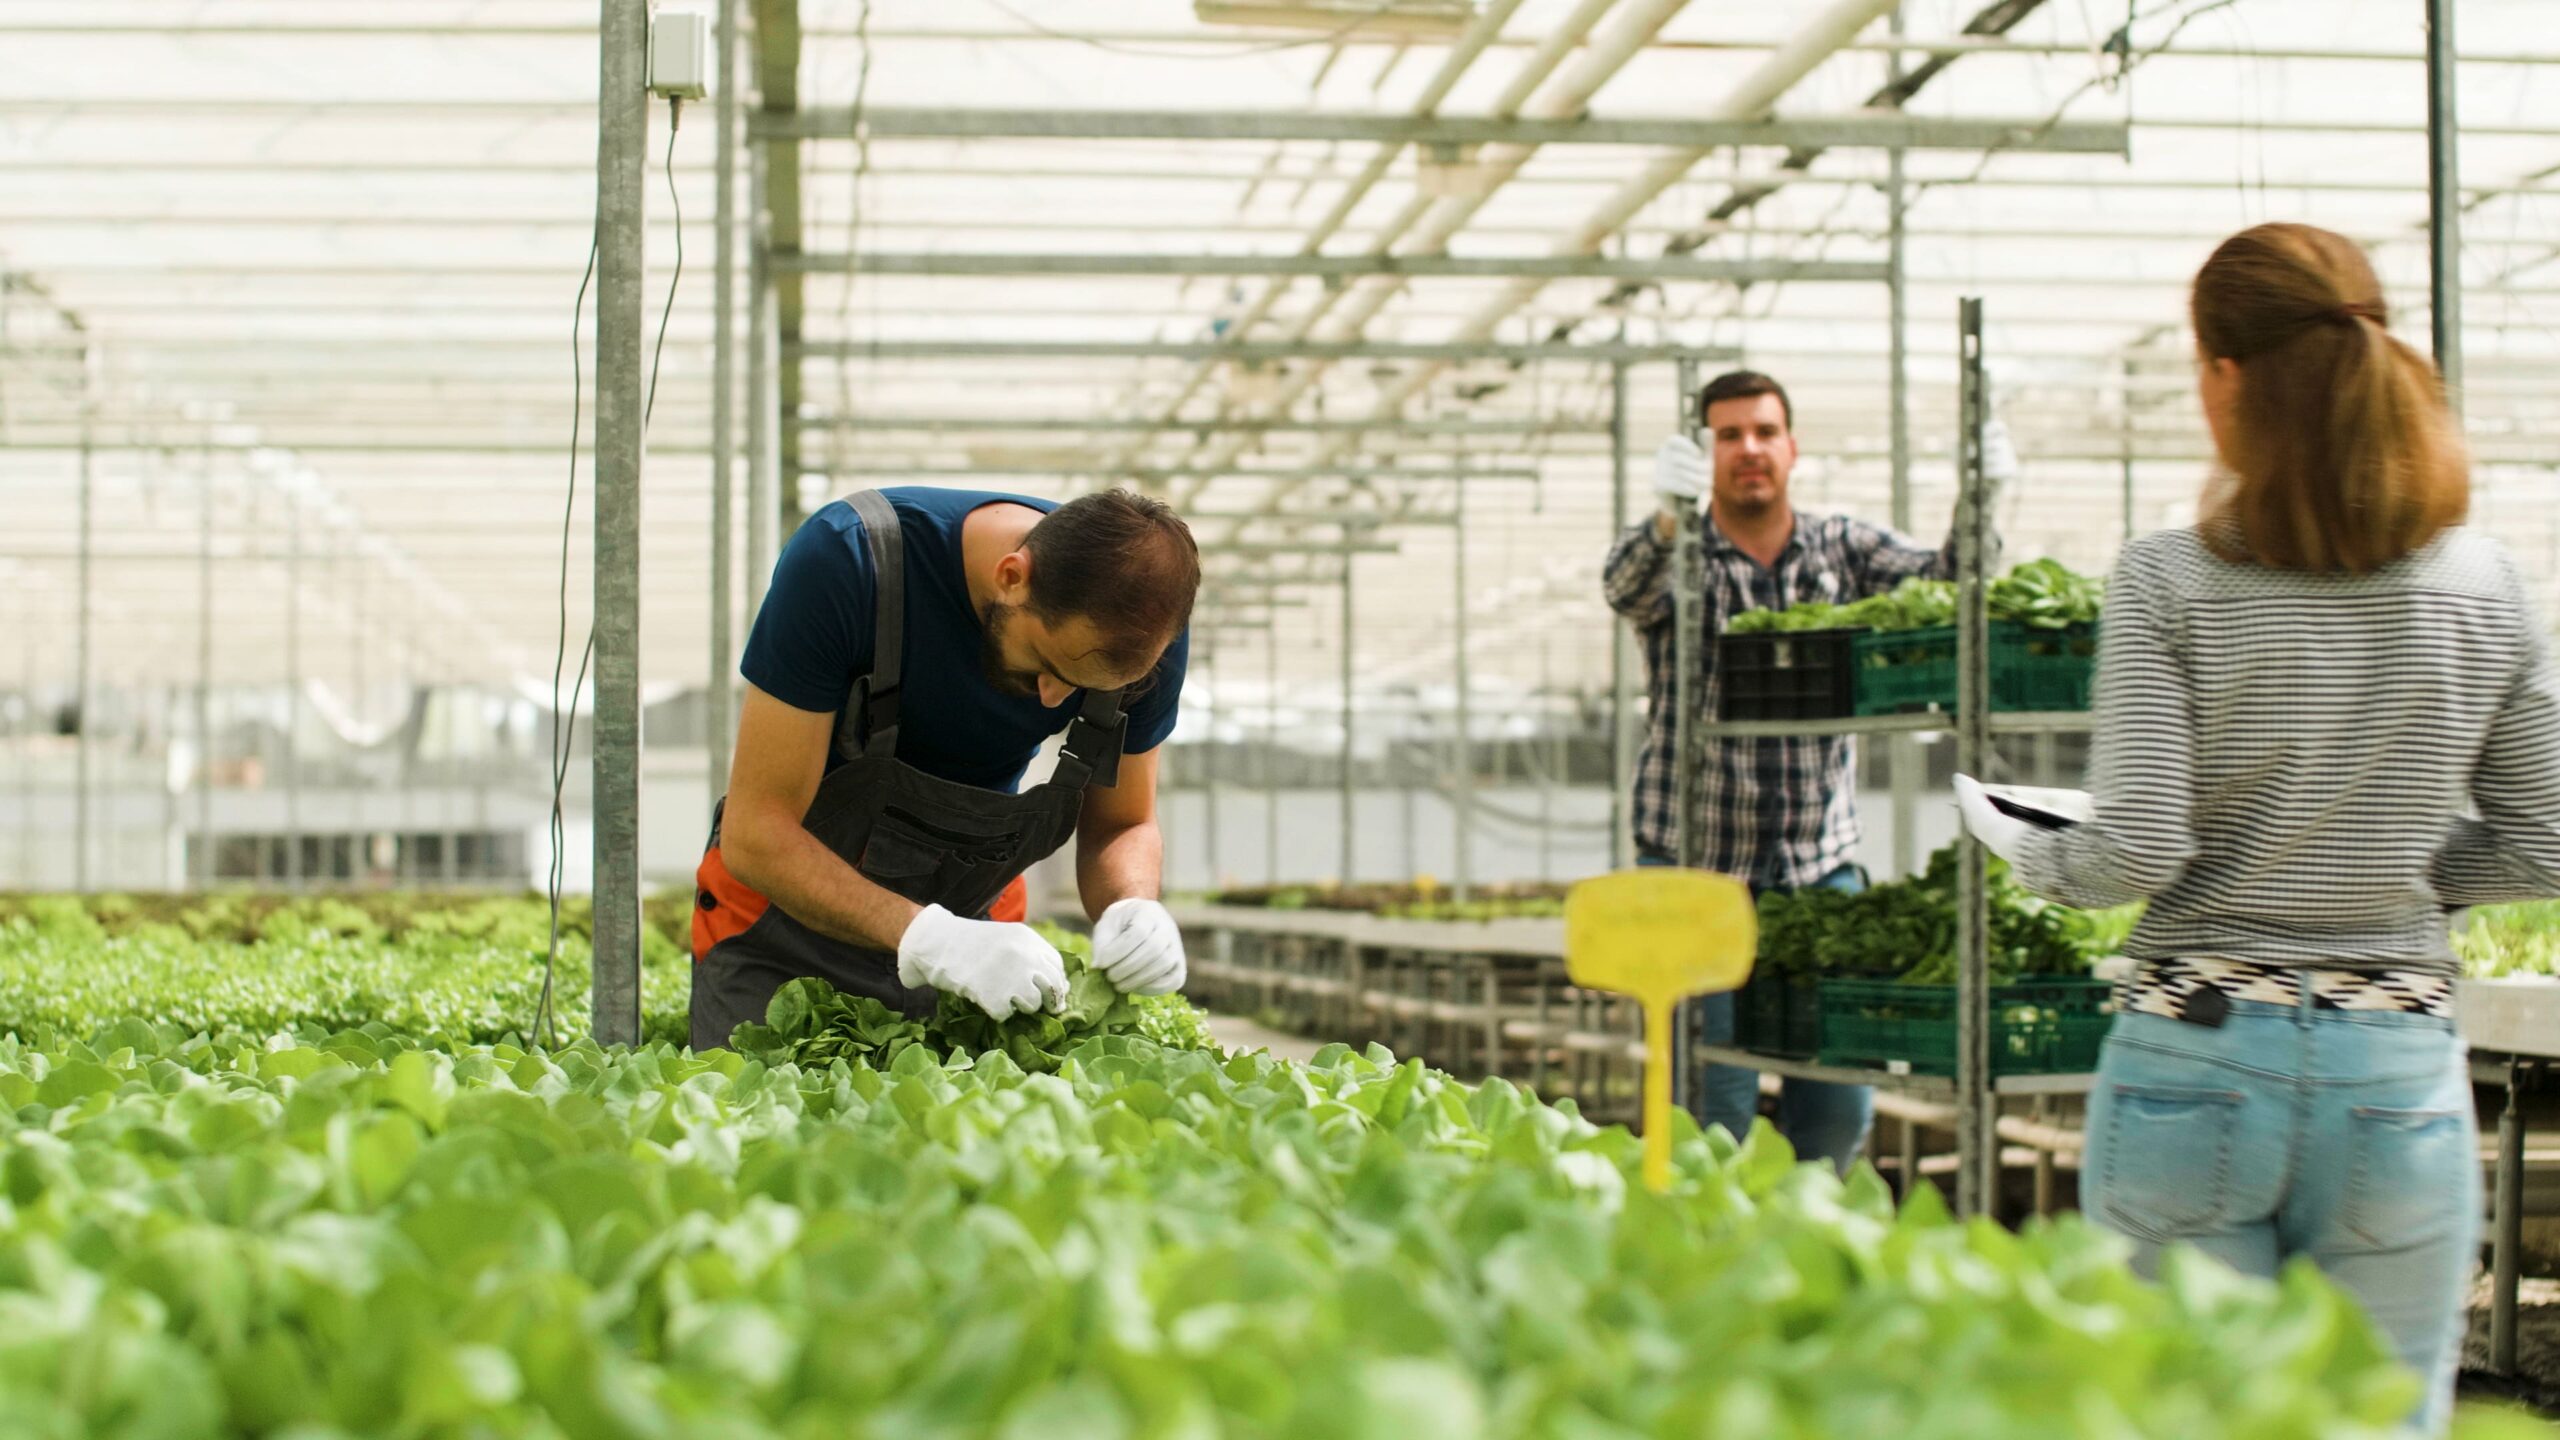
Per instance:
(2405,1175)
(2166,1170)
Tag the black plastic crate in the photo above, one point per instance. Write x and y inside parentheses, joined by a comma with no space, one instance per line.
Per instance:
(1777,1013)
(1803,675)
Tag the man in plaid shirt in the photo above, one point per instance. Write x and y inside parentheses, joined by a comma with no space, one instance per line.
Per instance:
(1780,813)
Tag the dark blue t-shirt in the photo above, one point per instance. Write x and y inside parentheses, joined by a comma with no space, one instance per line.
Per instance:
(813,638)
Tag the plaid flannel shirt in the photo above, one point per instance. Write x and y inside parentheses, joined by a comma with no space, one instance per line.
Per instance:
(1777,812)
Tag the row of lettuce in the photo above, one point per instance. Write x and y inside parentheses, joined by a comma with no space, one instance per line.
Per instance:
(262,1212)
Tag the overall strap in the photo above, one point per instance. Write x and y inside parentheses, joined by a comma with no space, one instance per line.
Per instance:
(870,722)
(1091,752)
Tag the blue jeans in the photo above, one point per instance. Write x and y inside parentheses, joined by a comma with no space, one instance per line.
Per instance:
(2344,1135)
(1819,1118)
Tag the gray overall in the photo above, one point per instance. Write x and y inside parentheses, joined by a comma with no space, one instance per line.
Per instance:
(933,841)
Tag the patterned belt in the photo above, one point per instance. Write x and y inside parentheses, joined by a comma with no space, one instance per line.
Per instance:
(2169,988)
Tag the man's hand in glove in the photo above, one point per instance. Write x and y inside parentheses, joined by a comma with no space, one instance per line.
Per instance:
(1679,481)
(1138,948)
(1000,968)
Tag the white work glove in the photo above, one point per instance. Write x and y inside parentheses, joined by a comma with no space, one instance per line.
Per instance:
(1999,456)
(1998,833)
(1680,475)
(997,967)
(1138,948)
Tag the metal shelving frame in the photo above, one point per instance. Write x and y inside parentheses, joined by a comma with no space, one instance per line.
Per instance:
(1975,1092)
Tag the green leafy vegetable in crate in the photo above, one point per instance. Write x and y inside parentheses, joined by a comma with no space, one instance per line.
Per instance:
(1908,929)
(1912,605)
(2040,594)
(2046,595)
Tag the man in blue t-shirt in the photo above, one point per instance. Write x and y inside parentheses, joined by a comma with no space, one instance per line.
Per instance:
(915,649)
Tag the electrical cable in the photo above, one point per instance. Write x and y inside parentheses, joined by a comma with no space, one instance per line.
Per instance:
(565,719)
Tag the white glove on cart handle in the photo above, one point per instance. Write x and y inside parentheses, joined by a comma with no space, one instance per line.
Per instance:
(1679,475)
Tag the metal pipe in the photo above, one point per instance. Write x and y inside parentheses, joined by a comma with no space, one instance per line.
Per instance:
(1978,1173)
(1257,351)
(1755,96)
(2128,451)
(622,111)
(1324,267)
(1461,56)
(1903,751)
(721,689)
(1688,594)
(1271,757)
(764,420)
(293,689)
(1622,677)
(1209,762)
(26,736)
(1726,130)
(2507,1228)
(200,871)
(1350,798)
(2444,199)
(1084,424)
(1462,780)
(80,683)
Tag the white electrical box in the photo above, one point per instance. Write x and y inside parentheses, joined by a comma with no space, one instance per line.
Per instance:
(680,53)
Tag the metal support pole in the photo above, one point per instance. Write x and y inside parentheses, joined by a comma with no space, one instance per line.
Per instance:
(1462,777)
(1209,765)
(622,113)
(2444,199)
(721,690)
(293,690)
(200,872)
(1271,758)
(1688,612)
(1622,641)
(1350,822)
(764,418)
(1977,1143)
(1688,597)
(1902,751)
(26,877)
(2128,450)
(80,679)
(2507,1228)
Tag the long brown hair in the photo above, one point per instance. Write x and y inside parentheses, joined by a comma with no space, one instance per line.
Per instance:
(2345,456)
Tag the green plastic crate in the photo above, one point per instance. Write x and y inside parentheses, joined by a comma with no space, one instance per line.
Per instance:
(1900,671)
(2038,1027)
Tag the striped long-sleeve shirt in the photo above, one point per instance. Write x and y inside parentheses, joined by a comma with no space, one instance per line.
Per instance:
(1776,812)
(2283,760)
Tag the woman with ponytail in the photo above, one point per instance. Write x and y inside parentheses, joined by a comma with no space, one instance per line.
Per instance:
(2325,719)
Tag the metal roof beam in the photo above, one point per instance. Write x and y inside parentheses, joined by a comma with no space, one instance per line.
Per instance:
(1005,424)
(1880,130)
(1150,474)
(1256,351)
(1336,267)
